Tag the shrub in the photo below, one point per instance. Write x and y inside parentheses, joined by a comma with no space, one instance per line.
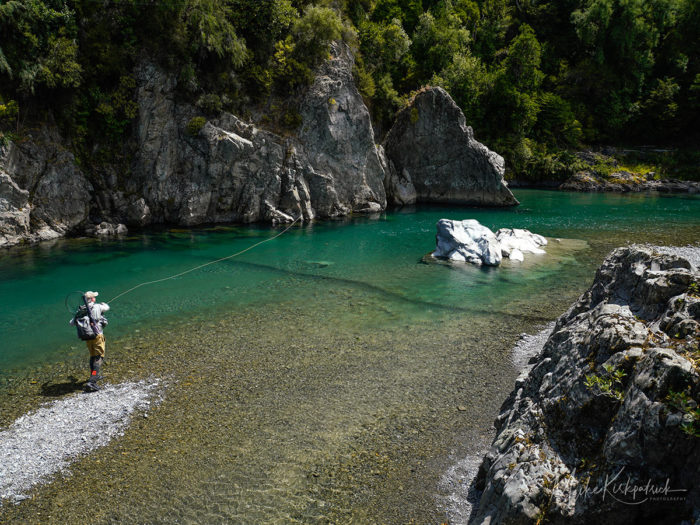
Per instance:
(195,125)
(609,385)
(210,104)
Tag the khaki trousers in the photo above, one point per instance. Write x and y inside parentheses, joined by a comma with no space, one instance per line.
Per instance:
(96,346)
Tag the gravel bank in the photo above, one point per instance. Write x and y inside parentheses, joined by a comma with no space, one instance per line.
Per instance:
(44,442)
(529,346)
(691,253)
(462,495)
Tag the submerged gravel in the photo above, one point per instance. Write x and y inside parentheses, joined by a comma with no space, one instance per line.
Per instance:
(457,482)
(44,442)
(462,495)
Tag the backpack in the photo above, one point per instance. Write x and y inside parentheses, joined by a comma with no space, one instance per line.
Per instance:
(86,327)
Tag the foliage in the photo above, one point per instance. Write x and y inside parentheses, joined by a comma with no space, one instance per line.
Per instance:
(210,103)
(610,384)
(195,125)
(688,407)
(534,79)
(314,32)
(38,48)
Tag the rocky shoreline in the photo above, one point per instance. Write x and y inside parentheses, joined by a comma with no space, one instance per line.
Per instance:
(590,183)
(604,427)
(186,169)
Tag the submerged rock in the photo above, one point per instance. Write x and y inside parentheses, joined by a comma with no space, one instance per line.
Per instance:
(432,149)
(106,229)
(603,429)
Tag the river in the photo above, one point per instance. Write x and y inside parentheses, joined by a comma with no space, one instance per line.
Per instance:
(329,375)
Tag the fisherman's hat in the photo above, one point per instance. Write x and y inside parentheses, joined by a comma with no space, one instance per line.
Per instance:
(91,294)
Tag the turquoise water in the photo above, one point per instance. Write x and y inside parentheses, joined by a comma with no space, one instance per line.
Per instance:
(382,255)
(327,376)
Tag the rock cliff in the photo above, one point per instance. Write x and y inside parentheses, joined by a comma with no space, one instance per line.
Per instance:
(227,170)
(432,149)
(43,193)
(604,427)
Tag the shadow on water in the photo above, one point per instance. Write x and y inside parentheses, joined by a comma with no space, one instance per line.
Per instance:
(381,291)
(49,389)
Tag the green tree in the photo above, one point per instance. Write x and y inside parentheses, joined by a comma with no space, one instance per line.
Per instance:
(435,43)
(468,81)
(262,23)
(620,39)
(408,12)
(211,33)
(314,32)
(39,47)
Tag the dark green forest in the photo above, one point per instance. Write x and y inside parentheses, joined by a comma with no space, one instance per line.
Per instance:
(536,79)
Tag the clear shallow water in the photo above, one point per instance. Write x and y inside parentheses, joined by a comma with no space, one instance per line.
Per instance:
(326,375)
(380,255)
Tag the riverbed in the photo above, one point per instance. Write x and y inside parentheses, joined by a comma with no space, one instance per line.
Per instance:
(329,375)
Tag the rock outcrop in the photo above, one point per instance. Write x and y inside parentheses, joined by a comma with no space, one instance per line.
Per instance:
(601,172)
(432,148)
(187,170)
(466,241)
(469,241)
(337,137)
(225,171)
(14,211)
(232,171)
(626,182)
(43,193)
(604,428)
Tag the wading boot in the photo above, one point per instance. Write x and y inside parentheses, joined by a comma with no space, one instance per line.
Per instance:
(91,384)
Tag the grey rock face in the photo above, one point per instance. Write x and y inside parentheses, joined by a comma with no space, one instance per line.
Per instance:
(400,190)
(431,146)
(43,194)
(602,412)
(338,139)
(234,172)
(229,172)
(14,211)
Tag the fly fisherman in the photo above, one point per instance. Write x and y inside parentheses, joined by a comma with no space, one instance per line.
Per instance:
(90,323)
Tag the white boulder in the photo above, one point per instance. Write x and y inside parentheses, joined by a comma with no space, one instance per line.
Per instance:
(470,241)
(515,242)
(467,241)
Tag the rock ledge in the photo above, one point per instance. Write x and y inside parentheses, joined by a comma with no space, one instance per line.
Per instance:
(604,428)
